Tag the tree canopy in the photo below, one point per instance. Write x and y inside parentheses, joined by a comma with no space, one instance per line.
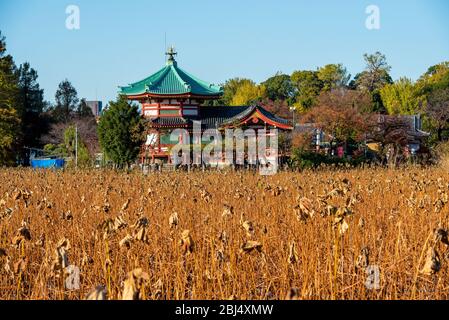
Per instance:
(401,97)
(230,88)
(279,87)
(248,93)
(66,101)
(437,109)
(120,132)
(376,73)
(10,110)
(338,113)
(333,76)
(308,86)
(83,110)
(31,98)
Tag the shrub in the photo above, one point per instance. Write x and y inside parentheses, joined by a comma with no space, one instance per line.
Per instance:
(302,159)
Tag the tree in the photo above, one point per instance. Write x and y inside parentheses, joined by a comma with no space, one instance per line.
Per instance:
(339,114)
(10,109)
(437,110)
(375,76)
(66,101)
(84,110)
(430,88)
(401,97)
(308,86)
(392,135)
(248,93)
(279,108)
(333,76)
(304,141)
(56,150)
(120,132)
(230,88)
(9,125)
(71,146)
(436,74)
(376,73)
(346,98)
(279,87)
(436,77)
(87,131)
(76,147)
(8,78)
(31,97)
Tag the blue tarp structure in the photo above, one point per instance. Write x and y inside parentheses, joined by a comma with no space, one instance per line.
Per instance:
(47,163)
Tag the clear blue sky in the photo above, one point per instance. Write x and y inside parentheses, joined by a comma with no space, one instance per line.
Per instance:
(123,41)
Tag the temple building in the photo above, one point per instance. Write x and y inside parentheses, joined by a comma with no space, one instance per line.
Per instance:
(172,98)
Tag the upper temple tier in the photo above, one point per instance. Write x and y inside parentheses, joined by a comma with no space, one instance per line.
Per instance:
(172,81)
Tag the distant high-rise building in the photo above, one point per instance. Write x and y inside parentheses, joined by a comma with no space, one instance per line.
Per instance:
(96,107)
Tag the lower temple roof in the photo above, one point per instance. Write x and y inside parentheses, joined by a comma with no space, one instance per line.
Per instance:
(217,117)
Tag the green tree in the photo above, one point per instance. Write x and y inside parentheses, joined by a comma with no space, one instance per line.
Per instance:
(84,110)
(76,147)
(8,78)
(376,73)
(333,76)
(66,101)
(10,109)
(431,89)
(401,97)
(373,78)
(437,74)
(436,77)
(31,98)
(308,87)
(9,126)
(120,132)
(279,87)
(58,150)
(248,93)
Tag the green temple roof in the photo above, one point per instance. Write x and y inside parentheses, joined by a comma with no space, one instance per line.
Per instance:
(172,80)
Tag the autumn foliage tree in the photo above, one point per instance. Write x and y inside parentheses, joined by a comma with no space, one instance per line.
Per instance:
(340,114)
(279,108)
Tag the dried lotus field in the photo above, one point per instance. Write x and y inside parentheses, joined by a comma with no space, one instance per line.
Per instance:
(341,234)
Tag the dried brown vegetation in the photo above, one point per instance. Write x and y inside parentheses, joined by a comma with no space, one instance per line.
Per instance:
(212,235)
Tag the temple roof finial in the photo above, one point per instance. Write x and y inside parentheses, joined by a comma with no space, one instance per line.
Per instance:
(171,53)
